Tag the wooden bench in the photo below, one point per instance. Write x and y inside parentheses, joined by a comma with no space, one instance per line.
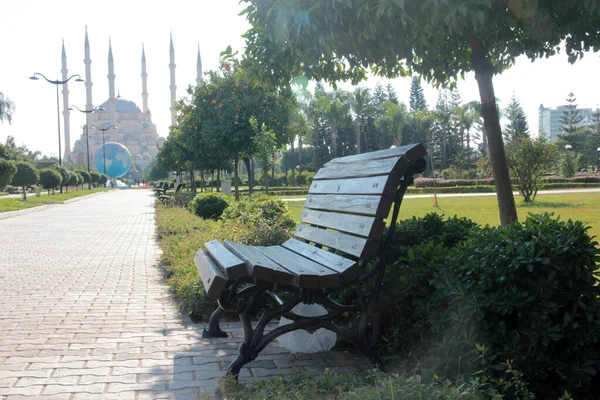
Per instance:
(348,201)
(164,198)
(162,189)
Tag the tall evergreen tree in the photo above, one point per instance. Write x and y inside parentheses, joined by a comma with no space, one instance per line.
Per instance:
(391,94)
(517,127)
(571,116)
(417,97)
(379,97)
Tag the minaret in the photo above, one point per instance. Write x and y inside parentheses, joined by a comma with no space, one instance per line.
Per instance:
(173,87)
(144,82)
(198,67)
(66,111)
(88,79)
(112,101)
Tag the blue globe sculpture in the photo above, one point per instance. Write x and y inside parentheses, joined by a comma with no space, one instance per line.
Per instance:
(118,159)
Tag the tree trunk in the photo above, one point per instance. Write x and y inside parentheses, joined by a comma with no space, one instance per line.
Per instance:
(236,161)
(25,193)
(333,140)
(218,179)
(194,190)
(300,154)
(357,134)
(250,169)
(266,178)
(293,167)
(316,155)
(483,73)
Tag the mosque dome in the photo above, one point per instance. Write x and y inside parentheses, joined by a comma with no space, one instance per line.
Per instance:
(123,106)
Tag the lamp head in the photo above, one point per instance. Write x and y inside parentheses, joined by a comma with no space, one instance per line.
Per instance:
(79,79)
(100,109)
(34,78)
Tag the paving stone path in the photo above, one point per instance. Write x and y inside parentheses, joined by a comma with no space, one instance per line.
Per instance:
(84,313)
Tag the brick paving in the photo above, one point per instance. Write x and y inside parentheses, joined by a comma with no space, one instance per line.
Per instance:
(84,313)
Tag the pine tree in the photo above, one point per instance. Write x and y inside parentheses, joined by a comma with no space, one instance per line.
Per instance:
(517,127)
(379,97)
(417,97)
(391,94)
(571,116)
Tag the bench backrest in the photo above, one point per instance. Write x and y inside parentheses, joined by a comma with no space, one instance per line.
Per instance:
(351,196)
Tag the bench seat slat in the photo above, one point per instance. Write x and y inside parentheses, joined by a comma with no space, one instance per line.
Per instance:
(376,185)
(356,224)
(375,206)
(353,245)
(260,267)
(307,274)
(360,169)
(348,269)
(234,267)
(412,152)
(213,278)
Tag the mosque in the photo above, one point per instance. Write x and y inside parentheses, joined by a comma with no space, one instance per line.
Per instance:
(134,127)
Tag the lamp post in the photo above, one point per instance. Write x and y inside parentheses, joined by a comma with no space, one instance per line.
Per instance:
(103,148)
(56,83)
(87,137)
(598,151)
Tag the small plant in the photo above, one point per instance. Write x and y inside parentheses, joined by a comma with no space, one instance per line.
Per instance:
(26,175)
(50,179)
(8,169)
(209,205)
(528,160)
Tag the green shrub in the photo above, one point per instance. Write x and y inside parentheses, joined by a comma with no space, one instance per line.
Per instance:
(87,178)
(26,175)
(50,179)
(209,205)
(94,177)
(73,179)
(528,292)
(103,179)
(65,175)
(8,169)
(257,220)
(305,178)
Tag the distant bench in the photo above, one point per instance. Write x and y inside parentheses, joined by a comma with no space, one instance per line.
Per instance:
(345,210)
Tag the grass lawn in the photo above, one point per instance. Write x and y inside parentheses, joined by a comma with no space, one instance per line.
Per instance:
(484,210)
(15,204)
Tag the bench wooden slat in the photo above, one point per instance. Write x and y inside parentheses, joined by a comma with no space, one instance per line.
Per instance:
(308,274)
(260,267)
(376,185)
(362,169)
(348,269)
(412,152)
(234,267)
(355,246)
(213,278)
(356,224)
(375,206)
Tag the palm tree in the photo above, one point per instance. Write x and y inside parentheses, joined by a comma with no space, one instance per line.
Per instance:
(466,116)
(393,121)
(337,113)
(7,108)
(360,104)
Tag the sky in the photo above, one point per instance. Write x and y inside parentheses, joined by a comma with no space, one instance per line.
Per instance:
(33,30)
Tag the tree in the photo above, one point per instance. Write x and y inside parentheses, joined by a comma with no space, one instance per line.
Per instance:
(87,178)
(26,175)
(528,160)
(104,179)
(391,94)
(50,179)
(517,127)
(65,175)
(393,121)
(336,108)
(220,110)
(8,169)
(73,179)
(439,39)
(571,116)
(265,145)
(360,103)
(417,97)
(79,178)
(7,109)
(95,177)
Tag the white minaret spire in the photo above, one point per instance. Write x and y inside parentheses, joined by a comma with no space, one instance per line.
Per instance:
(88,79)
(66,111)
(173,87)
(112,101)
(199,67)
(144,81)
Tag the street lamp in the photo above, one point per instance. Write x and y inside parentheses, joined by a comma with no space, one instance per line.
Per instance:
(87,137)
(57,82)
(103,148)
